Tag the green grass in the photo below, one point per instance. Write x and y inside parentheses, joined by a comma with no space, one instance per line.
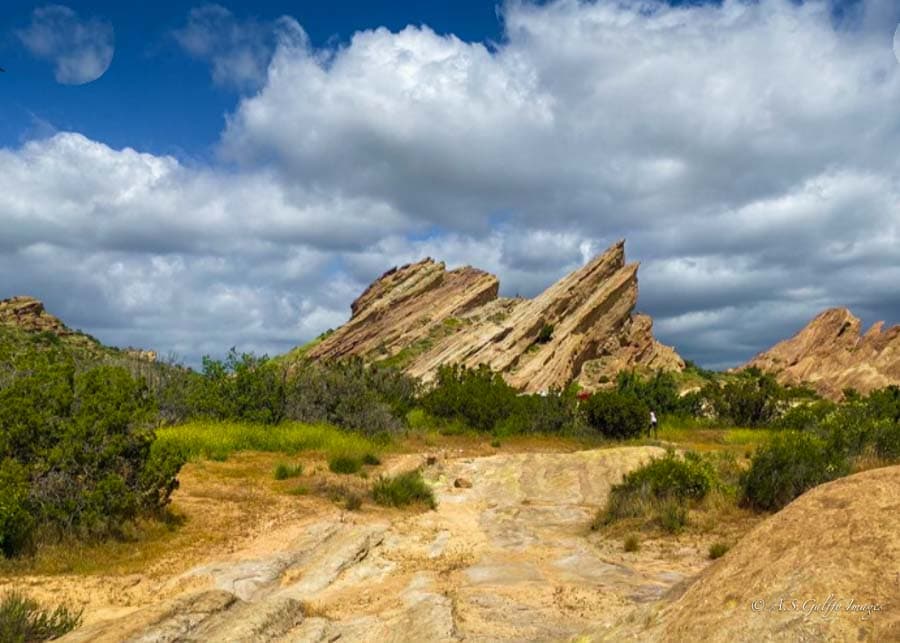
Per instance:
(404,489)
(217,440)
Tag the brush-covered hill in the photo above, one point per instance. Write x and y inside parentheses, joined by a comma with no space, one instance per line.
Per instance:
(583,328)
(26,326)
(831,354)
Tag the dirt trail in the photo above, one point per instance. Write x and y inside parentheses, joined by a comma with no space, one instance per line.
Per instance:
(509,558)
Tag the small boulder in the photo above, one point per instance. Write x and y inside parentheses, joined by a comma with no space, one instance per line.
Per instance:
(462,483)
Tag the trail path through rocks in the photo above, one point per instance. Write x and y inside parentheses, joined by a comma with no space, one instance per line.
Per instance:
(509,558)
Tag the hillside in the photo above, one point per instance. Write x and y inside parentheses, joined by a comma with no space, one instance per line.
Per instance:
(421,316)
(831,354)
(25,326)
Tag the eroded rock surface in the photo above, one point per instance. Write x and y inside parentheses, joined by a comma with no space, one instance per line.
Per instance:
(509,558)
(421,316)
(835,551)
(831,354)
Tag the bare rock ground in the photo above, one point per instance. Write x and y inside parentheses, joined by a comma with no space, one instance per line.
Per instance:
(509,558)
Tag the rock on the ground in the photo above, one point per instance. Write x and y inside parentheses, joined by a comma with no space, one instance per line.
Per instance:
(27,313)
(422,316)
(831,354)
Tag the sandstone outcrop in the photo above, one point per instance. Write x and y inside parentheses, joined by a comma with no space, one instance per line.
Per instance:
(28,314)
(422,316)
(830,354)
(825,568)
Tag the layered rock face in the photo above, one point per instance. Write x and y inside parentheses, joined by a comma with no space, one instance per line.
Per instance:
(831,354)
(28,314)
(421,316)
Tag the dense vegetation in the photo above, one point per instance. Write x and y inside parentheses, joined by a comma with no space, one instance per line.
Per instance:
(92,440)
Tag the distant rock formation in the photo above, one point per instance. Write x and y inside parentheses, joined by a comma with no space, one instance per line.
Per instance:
(830,354)
(422,316)
(27,313)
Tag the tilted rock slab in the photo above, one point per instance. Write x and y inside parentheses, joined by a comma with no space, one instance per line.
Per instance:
(831,354)
(422,316)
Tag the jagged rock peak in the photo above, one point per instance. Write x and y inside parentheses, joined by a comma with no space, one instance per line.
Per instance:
(29,314)
(421,316)
(831,354)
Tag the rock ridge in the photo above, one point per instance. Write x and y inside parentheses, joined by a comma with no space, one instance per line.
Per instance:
(421,316)
(831,354)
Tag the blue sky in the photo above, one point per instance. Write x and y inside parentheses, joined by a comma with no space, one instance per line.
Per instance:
(190,176)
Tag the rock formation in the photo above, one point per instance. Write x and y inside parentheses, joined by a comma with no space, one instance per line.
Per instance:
(28,314)
(830,354)
(421,316)
(835,551)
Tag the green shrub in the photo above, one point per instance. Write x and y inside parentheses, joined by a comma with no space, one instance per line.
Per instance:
(717,550)
(371,460)
(353,502)
(478,397)
(632,543)
(371,400)
(672,515)
(545,334)
(23,620)
(887,440)
(16,521)
(751,398)
(550,413)
(789,465)
(616,415)
(661,487)
(659,393)
(404,489)
(284,471)
(77,452)
(805,416)
(345,464)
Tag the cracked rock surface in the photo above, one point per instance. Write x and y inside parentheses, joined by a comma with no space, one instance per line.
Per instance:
(509,558)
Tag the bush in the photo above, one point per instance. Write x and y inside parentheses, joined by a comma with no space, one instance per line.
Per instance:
(552,413)
(23,620)
(371,400)
(545,334)
(284,471)
(717,550)
(787,466)
(478,397)
(805,416)
(672,515)
(659,393)
(76,452)
(402,490)
(632,543)
(344,464)
(242,387)
(751,398)
(615,415)
(662,486)
(887,440)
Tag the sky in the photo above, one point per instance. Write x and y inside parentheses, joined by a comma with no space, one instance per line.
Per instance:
(189,177)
